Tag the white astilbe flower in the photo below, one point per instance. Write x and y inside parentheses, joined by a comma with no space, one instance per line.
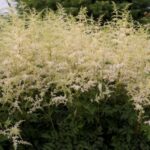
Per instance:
(76,87)
(36,104)
(58,100)
(13,133)
(47,61)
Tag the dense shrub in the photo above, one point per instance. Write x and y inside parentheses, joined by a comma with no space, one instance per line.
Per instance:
(140,9)
(69,83)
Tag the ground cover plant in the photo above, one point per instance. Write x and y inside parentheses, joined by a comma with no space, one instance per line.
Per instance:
(68,83)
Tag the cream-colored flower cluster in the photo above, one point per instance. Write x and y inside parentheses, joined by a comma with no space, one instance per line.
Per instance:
(64,53)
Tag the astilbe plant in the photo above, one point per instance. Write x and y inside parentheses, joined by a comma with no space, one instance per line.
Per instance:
(46,60)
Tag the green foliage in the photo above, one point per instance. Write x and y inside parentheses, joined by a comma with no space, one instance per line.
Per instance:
(139,8)
(111,124)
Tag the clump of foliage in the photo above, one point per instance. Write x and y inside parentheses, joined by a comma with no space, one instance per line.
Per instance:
(140,9)
(68,83)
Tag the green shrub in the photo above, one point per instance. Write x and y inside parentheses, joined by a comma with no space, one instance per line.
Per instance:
(69,83)
(139,8)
